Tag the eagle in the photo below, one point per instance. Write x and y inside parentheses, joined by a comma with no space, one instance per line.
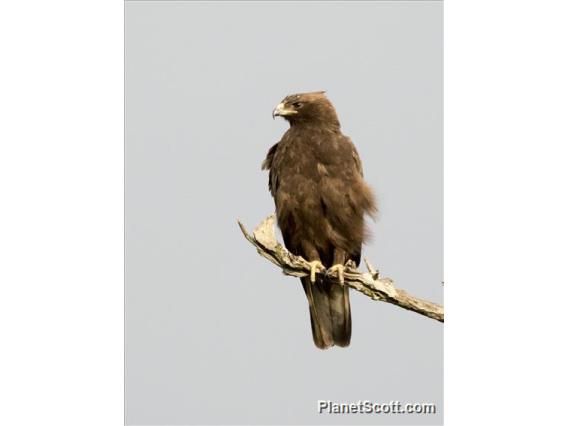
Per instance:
(321,199)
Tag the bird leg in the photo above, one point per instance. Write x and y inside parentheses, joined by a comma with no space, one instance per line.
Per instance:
(314,266)
(337,269)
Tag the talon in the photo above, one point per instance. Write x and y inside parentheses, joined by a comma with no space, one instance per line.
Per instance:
(339,269)
(313,268)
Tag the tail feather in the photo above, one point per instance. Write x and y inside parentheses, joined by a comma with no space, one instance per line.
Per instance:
(340,314)
(330,312)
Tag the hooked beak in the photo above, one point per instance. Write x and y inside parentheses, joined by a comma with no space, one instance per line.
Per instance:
(282,111)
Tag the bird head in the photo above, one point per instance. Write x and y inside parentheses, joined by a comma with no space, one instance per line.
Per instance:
(312,107)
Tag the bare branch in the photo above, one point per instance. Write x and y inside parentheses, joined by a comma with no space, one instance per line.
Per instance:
(368,283)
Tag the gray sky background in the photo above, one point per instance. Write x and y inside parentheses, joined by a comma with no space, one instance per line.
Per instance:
(214,333)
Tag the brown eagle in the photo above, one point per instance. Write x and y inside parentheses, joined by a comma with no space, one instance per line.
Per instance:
(316,179)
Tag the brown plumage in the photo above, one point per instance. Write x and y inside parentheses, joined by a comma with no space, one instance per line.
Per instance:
(316,179)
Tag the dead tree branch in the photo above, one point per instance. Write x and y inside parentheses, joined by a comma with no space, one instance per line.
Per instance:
(368,283)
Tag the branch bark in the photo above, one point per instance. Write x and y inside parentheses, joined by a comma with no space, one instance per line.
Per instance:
(368,283)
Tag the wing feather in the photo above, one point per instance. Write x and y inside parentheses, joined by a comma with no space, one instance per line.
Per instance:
(267,165)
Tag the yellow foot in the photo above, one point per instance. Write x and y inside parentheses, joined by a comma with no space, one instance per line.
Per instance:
(338,269)
(314,266)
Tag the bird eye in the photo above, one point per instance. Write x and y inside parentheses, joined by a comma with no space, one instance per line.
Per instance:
(297,104)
